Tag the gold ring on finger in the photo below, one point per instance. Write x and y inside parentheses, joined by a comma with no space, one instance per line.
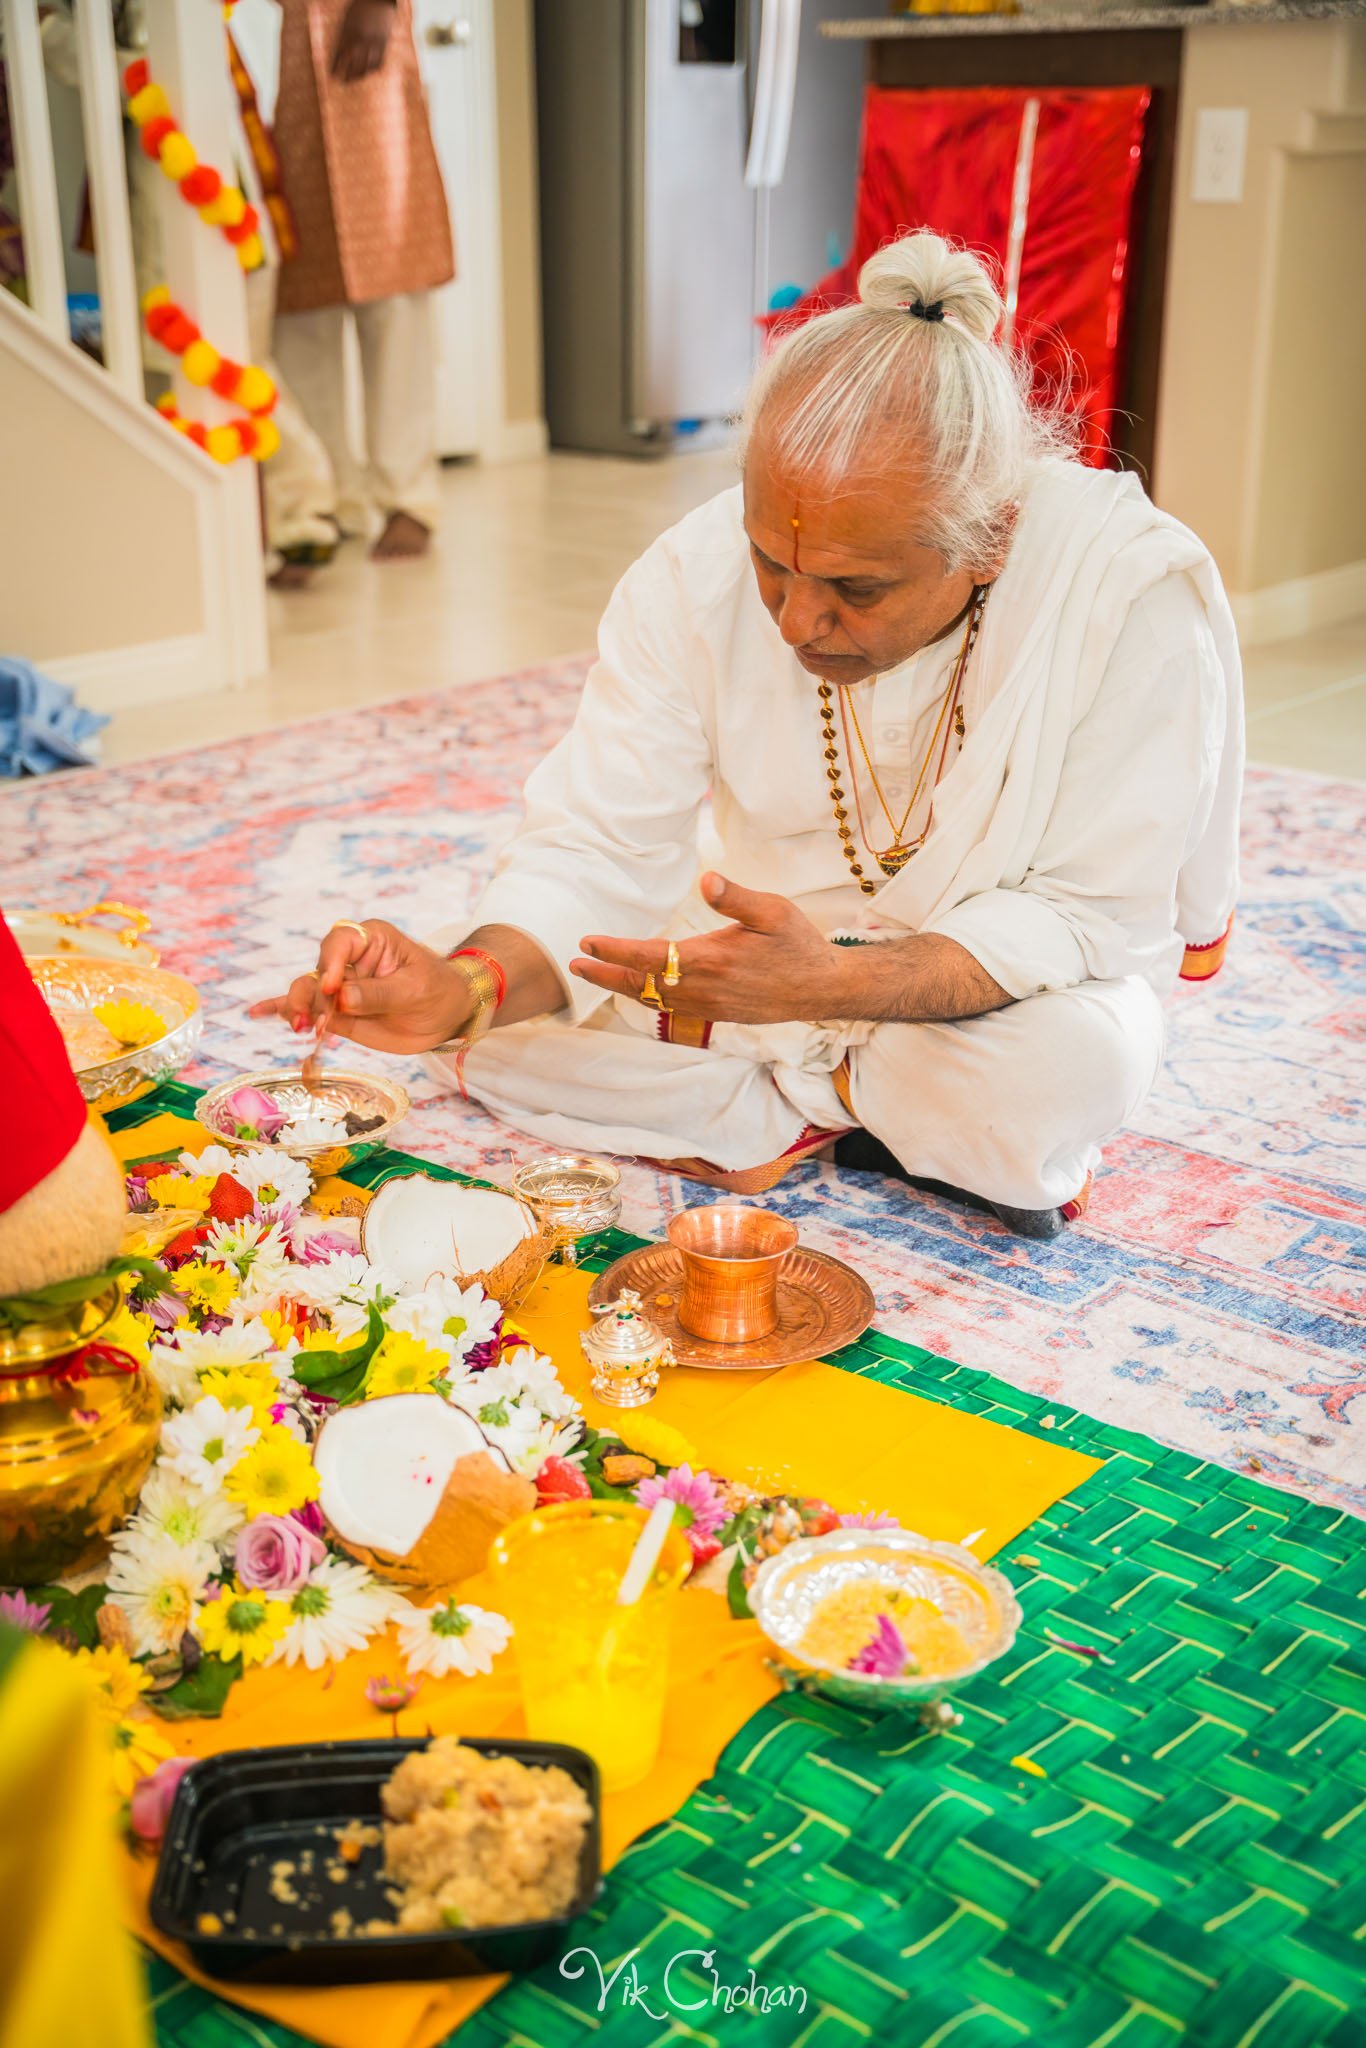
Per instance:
(348,924)
(650,995)
(673,971)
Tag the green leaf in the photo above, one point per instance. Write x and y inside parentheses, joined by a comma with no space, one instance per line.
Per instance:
(202,1695)
(49,1304)
(737,1593)
(76,1611)
(341,1374)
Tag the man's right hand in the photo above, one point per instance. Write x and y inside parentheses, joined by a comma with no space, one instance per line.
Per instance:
(383,990)
(363,41)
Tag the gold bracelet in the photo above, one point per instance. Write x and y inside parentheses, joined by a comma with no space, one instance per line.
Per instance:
(483,986)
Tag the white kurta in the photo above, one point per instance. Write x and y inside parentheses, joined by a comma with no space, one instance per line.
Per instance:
(1086,827)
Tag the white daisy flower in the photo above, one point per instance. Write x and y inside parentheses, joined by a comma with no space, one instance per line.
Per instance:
(552,1440)
(158,1583)
(447,1317)
(315,1130)
(212,1161)
(170,1508)
(336,1611)
(177,1368)
(175,1372)
(495,1400)
(268,1175)
(452,1638)
(258,1254)
(346,1277)
(204,1442)
(538,1381)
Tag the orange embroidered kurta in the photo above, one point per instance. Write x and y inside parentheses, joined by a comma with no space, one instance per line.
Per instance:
(359,167)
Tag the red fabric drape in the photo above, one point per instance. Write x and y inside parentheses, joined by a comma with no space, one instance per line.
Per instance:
(947,160)
(44,1113)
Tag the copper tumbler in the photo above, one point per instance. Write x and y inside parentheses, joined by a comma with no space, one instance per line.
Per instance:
(732,1257)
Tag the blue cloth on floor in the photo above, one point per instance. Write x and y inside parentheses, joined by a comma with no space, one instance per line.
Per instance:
(42,727)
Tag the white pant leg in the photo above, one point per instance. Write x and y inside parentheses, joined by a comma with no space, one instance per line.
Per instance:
(602,1087)
(310,350)
(300,495)
(1013,1106)
(398,357)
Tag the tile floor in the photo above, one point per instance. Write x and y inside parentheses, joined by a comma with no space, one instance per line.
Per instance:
(526,557)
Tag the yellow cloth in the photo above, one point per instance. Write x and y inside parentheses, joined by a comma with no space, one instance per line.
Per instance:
(807,1429)
(68,1974)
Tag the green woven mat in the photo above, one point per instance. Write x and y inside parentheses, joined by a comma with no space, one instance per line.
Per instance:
(1191,1868)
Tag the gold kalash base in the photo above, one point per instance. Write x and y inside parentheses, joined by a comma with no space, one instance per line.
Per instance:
(73,1452)
(955,7)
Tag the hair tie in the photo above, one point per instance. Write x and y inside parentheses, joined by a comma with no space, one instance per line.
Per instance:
(920,311)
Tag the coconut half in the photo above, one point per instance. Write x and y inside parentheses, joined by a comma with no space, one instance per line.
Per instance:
(422,1229)
(414,1489)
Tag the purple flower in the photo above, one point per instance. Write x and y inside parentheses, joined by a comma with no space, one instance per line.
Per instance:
(149,1808)
(275,1554)
(165,1309)
(135,1189)
(869,1518)
(885,1655)
(287,1215)
(247,1108)
(21,1612)
(211,1324)
(311,1516)
(489,1352)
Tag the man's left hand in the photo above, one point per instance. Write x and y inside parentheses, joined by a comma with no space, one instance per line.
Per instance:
(771,966)
(363,41)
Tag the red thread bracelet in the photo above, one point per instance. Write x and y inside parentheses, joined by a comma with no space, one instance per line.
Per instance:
(493,966)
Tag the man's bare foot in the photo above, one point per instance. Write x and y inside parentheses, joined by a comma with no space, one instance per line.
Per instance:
(291,576)
(403,537)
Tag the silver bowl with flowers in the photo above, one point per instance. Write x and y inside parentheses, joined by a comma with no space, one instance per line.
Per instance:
(341,1119)
(883,1618)
(126,1026)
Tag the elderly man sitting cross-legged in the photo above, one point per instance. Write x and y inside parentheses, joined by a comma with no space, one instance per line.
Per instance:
(969,716)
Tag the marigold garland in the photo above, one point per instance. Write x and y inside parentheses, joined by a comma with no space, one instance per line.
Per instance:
(244,384)
(217,203)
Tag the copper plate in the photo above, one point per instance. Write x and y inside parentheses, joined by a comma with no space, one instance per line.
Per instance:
(822,1304)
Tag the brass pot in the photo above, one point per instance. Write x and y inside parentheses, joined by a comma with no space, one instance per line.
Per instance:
(74,1451)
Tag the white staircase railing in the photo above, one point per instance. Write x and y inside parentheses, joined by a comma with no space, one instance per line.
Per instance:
(186,54)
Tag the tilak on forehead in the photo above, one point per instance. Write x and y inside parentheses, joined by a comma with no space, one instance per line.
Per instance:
(796,529)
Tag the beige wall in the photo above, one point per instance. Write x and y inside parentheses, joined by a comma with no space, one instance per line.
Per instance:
(1261,443)
(98,546)
(516,85)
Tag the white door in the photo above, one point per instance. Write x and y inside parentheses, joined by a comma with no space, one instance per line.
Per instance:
(455,47)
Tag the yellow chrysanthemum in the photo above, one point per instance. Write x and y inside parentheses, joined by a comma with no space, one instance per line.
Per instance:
(138,1748)
(242,1623)
(243,1386)
(207,1287)
(182,1191)
(328,1340)
(118,1683)
(275,1476)
(127,1331)
(657,1440)
(404,1365)
(131,1023)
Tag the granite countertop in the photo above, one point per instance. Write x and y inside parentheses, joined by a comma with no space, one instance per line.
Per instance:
(1105,14)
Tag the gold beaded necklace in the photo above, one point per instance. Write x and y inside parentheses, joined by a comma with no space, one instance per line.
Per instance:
(892,859)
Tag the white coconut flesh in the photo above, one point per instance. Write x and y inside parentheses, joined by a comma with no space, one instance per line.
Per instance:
(421,1229)
(384,1466)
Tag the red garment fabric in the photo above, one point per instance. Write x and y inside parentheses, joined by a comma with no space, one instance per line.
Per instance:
(44,1111)
(948,159)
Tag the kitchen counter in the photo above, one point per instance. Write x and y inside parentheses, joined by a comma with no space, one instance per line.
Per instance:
(1048,19)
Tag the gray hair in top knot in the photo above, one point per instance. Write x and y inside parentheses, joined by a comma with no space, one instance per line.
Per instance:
(914,370)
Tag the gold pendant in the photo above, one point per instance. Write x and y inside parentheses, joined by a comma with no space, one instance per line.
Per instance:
(894,859)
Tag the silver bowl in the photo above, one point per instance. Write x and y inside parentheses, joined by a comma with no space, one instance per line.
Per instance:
(789,1587)
(78,981)
(366,1094)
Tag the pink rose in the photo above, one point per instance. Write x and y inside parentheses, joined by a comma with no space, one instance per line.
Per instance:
(275,1554)
(149,1809)
(247,1111)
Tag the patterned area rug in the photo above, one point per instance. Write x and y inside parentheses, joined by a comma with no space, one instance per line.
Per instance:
(1213,1297)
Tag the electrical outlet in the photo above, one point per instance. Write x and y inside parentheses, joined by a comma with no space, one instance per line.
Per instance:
(1220,154)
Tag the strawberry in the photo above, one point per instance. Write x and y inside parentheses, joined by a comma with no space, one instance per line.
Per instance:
(704,1548)
(183,1247)
(229,1202)
(559,1480)
(818,1518)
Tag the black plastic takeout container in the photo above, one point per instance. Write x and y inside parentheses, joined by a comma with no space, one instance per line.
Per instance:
(237,1814)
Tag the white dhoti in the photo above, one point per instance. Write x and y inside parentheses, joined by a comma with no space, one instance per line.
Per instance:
(398,375)
(1013,1106)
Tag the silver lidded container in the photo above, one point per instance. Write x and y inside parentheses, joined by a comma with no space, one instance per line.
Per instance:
(626,1351)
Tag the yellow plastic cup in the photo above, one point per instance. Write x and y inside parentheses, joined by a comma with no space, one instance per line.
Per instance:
(593,1673)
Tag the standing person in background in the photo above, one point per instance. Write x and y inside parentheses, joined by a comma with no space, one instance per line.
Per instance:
(374,243)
